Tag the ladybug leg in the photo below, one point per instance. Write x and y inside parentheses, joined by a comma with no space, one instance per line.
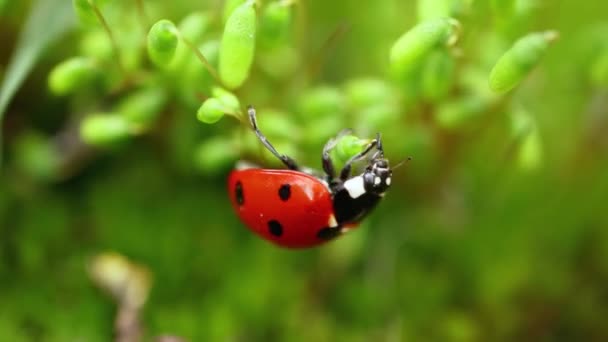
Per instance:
(379,150)
(328,165)
(290,163)
(345,172)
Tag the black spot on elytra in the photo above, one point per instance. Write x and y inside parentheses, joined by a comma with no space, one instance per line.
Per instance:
(328,233)
(240,195)
(275,228)
(285,192)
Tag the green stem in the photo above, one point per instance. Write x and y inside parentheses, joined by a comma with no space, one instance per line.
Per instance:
(203,60)
(141,12)
(113,41)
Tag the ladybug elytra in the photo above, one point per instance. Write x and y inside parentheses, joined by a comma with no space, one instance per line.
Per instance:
(294,208)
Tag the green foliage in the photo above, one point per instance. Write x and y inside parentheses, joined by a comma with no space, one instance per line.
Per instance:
(104,129)
(238,45)
(493,231)
(348,146)
(518,61)
(211,111)
(275,24)
(414,46)
(144,106)
(162,42)
(227,99)
(47,22)
(71,75)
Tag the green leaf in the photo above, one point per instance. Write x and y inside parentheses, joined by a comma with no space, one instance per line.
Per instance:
(211,111)
(162,42)
(71,75)
(519,60)
(415,45)
(238,45)
(48,20)
(105,129)
(348,146)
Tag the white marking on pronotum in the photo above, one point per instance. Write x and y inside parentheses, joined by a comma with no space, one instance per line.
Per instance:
(332,221)
(388,181)
(355,187)
(377,181)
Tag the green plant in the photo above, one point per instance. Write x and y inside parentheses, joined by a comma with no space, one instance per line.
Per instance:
(123,134)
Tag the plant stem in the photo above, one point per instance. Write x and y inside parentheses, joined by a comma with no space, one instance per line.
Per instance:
(141,11)
(203,60)
(113,41)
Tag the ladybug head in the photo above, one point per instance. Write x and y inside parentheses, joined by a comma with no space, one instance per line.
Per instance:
(377,175)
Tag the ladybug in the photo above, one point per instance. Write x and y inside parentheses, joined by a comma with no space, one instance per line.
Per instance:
(294,208)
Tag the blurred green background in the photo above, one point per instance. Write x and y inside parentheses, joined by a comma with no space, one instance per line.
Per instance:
(488,234)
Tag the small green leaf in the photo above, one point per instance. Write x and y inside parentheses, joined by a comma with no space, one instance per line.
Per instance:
(238,45)
(211,111)
(143,107)
(104,129)
(97,44)
(275,24)
(194,26)
(71,75)
(411,49)
(228,100)
(162,42)
(348,146)
(519,60)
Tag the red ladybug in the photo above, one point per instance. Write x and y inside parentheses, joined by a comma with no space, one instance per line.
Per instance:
(295,209)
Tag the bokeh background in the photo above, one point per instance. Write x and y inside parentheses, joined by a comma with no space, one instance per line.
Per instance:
(488,234)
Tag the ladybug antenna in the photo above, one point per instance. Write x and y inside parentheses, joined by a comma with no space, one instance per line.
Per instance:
(290,163)
(402,162)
